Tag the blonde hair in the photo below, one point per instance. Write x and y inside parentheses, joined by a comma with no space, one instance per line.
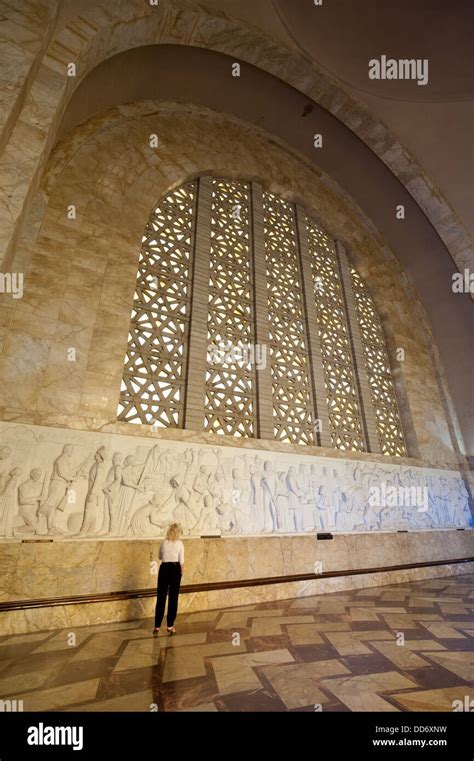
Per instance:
(174,532)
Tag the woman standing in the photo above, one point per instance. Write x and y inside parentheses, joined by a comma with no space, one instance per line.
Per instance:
(169,578)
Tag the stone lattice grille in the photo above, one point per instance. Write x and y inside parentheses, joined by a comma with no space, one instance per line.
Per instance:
(292,409)
(342,397)
(378,370)
(230,374)
(259,262)
(154,375)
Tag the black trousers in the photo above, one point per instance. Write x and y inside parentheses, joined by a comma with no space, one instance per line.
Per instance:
(169,579)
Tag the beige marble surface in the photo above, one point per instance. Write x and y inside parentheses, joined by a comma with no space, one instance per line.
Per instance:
(39,619)
(64,568)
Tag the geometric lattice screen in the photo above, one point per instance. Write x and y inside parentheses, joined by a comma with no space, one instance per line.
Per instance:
(240,323)
(154,374)
(292,408)
(379,374)
(230,375)
(339,375)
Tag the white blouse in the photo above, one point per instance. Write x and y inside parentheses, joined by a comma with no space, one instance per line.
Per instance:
(172,552)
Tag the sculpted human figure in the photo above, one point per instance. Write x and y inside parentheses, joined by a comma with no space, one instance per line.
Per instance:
(219,468)
(303,479)
(210,517)
(223,505)
(5,453)
(443,502)
(269,489)
(93,513)
(282,503)
(327,494)
(241,501)
(184,514)
(462,512)
(8,503)
(344,519)
(294,500)
(150,519)
(62,477)
(201,488)
(333,495)
(256,497)
(129,485)
(111,489)
(29,499)
(371,517)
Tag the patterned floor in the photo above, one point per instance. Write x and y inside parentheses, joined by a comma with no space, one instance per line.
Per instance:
(406,647)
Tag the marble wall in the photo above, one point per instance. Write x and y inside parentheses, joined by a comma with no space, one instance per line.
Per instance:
(66,568)
(59,482)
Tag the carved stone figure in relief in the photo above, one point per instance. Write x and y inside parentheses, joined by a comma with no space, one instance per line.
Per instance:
(8,503)
(201,494)
(443,501)
(62,478)
(210,517)
(151,519)
(302,479)
(344,517)
(111,489)
(462,512)
(180,501)
(282,503)
(294,500)
(129,485)
(269,489)
(371,517)
(221,505)
(241,491)
(5,453)
(256,497)
(93,519)
(30,493)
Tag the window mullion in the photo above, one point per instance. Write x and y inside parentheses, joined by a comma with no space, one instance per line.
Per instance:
(197,347)
(365,397)
(318,389)
(263,374)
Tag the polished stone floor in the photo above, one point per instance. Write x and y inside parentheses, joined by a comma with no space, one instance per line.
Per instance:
(405,647)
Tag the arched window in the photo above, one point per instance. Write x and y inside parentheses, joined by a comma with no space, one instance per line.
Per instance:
(248,320)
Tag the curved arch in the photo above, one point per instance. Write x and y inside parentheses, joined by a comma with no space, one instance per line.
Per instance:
(89,39)
(99,35)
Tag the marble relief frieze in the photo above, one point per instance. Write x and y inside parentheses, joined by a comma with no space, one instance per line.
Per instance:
(59,482)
